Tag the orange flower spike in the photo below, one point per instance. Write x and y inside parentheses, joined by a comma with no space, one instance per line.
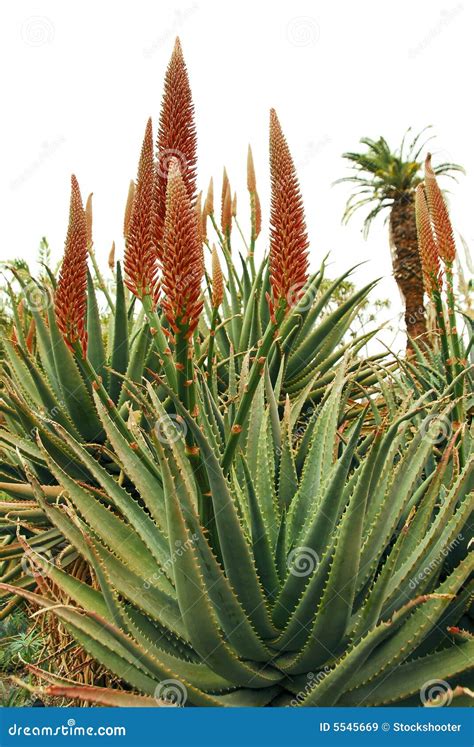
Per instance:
(209,203)
(439,216)
(70,298)
(226,215)
(140,257)
(89,219)
(426,243)
(254,198)
(128,208)
(234,205)
(251,179)
(182,265)
(288,237)
(225,186)
(176,136)
(217,280)
(198,208)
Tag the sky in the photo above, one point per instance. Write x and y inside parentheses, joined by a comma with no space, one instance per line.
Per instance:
(80,80)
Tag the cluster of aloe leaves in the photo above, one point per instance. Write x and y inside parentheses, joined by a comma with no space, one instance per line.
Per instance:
(44,382)
(337,541)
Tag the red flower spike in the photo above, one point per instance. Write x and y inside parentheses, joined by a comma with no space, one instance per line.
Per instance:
(176,137)
(426,243)
(70,298)
(439,215)
(182,262)
(288,236)
(140,256)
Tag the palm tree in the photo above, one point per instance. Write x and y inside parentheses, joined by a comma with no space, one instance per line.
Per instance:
(387,179)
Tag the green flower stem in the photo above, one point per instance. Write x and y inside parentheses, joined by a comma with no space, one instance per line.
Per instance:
(257,370)
(443,334)
(253,236)
(458,363)
(242,235)
(181,353)
(212,335)
(100,279)
(187,397)
(160,342)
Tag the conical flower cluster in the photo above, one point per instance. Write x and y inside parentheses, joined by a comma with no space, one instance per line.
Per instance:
(176,137)
(70,298)
(288,237)
(182,259)
(140,262)
(443,229)
(426,243)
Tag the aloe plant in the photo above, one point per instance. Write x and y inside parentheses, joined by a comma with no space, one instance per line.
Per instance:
(331,556)
(261,530)
(77,332)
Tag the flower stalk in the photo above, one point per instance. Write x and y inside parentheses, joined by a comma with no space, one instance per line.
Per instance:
(288,263)
(71,293)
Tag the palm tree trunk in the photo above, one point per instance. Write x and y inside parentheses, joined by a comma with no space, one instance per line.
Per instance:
(407,265)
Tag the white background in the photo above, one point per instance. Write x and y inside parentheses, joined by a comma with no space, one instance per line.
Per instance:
(80,79)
